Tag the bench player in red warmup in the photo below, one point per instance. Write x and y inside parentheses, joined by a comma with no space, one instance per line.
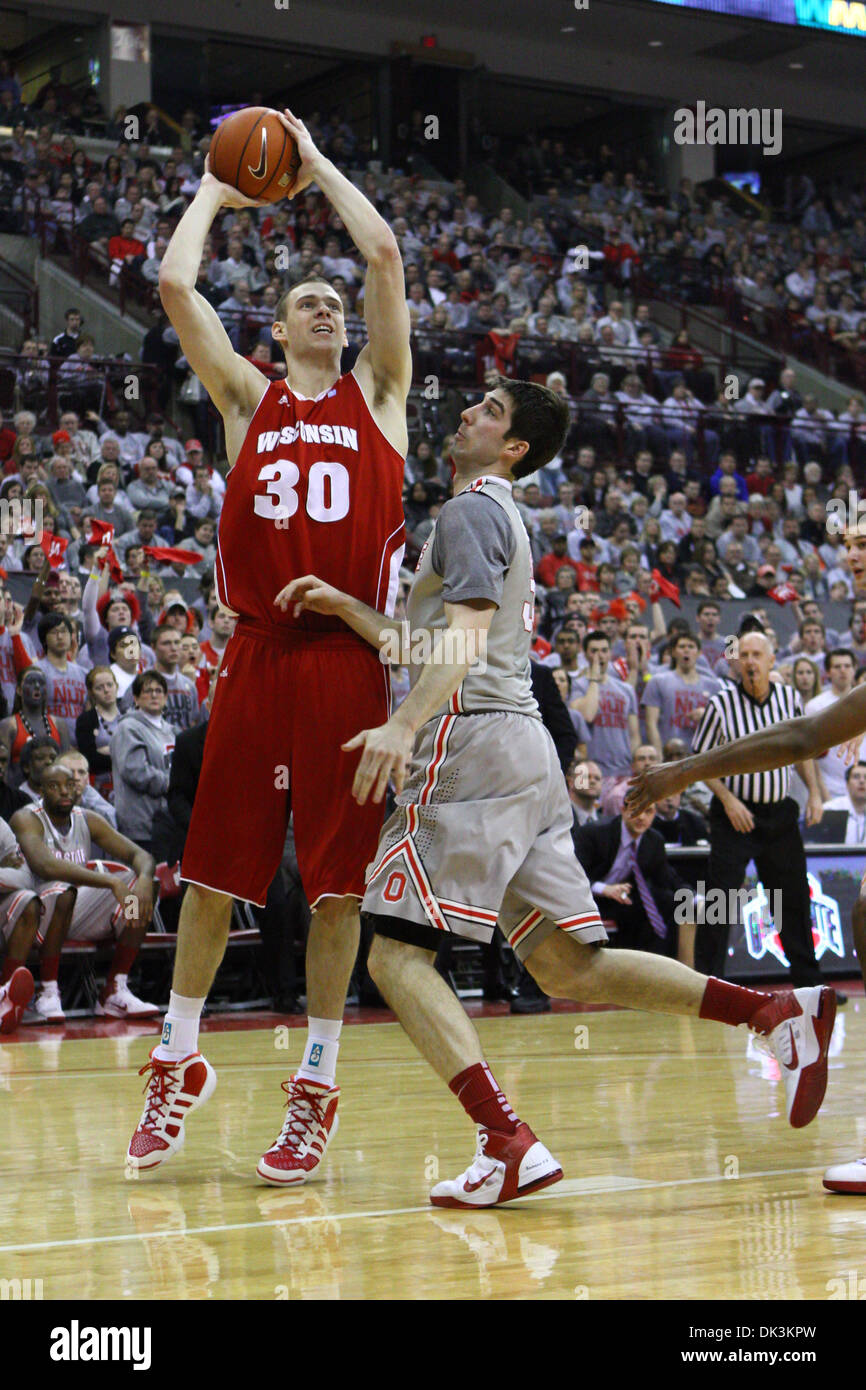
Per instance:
(315,487)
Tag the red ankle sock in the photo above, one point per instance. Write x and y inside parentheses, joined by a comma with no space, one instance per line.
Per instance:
(481,1098)
(9,967)
(124,959)
(732,1004)
(49,968)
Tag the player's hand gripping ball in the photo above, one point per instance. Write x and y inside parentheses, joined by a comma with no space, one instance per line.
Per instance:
(254,152)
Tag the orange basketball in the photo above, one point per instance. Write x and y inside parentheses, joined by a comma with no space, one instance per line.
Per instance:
(253,151)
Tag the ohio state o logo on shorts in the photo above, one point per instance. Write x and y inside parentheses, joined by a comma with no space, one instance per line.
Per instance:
(394,888)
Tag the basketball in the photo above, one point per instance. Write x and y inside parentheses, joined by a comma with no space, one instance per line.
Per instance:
(253,151)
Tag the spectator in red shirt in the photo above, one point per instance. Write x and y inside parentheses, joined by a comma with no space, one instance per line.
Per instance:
(124,248)
(261,358)
(618,254)
(681,356)
(545,570)
(761,478)
(7,440)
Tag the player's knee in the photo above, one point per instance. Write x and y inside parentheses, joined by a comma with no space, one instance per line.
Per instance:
(547,975)
(559,967)
(381,959)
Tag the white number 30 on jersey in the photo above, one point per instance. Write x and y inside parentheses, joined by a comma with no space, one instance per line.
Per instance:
(327,491)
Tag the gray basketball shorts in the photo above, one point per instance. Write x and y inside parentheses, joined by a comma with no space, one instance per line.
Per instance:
(482,837)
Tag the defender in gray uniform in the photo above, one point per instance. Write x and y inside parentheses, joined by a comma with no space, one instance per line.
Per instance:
(482,831)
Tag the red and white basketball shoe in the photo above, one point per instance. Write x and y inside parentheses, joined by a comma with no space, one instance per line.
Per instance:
(122,1003)
(505,1166)
(173,1090)
(310,1124)
(798,1025)
(15,995)
(847,1177)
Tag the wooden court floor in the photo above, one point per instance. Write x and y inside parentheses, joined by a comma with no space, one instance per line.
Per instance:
(682,1178)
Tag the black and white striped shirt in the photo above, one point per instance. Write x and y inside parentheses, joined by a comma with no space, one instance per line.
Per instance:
(732,714)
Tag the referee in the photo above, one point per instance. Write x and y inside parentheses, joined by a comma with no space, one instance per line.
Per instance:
(754,816)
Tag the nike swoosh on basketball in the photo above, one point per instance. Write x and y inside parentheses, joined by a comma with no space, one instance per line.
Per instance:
(259,173)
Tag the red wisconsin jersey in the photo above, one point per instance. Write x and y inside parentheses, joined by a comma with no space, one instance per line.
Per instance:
(317,489)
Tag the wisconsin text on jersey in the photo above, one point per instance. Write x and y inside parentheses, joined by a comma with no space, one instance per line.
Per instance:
(309,434)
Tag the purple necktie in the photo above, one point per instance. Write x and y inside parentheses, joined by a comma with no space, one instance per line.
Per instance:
(657,922)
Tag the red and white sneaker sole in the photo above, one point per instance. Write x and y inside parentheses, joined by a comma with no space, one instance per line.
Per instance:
(101,1011)
(455,1204)
(19,992)
(813,1078)
(295,1177)
(854,1189)
(847,1177)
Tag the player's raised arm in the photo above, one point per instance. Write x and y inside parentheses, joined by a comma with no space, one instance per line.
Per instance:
(792,741)
(386,360)
(229,380)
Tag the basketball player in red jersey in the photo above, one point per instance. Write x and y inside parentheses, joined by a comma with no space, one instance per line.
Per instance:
(315,487)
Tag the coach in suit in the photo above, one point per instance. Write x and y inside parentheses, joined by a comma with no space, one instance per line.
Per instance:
(634,885)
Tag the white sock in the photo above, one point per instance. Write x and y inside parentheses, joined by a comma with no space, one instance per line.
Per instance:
(180,1029)
(320,1054)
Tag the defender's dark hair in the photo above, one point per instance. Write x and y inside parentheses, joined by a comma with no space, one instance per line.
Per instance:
(539,416)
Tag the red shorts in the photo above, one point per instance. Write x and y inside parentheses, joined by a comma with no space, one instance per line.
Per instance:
(284,703)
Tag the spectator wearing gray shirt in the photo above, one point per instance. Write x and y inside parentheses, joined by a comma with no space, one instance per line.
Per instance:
(64,484)
(674,701)
(609,707)
(149,489)
(738,530)
(675,522)
(143,534)
(141,749)
(202,543)
(202,498)
(65,680)
(182,705)
(108,510)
